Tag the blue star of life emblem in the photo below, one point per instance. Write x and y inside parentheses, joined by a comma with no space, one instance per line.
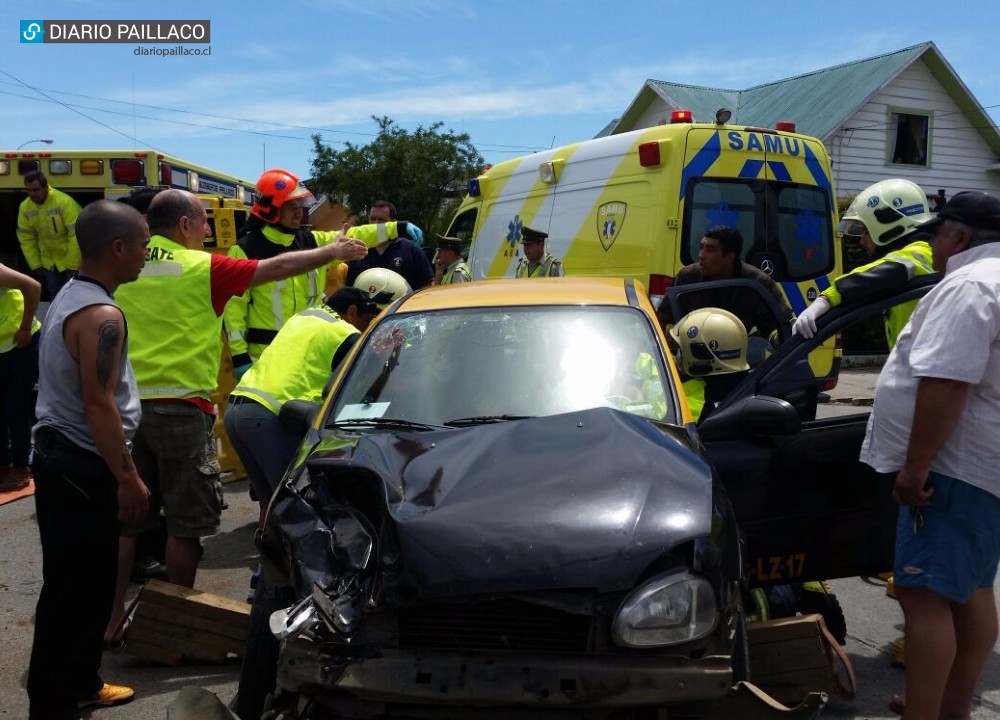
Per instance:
(514,231)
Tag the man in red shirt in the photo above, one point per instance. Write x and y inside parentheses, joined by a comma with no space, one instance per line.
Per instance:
(174,311)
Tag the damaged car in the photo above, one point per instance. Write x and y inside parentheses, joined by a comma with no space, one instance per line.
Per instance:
(503,510)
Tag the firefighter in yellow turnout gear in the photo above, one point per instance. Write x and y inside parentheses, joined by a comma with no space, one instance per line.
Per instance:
(253,319)
(882,218)
(712,343)
(46,230)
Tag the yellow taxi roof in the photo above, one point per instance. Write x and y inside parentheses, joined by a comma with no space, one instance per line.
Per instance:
(508,291)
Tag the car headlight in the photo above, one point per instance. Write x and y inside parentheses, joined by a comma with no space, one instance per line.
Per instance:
(671,608)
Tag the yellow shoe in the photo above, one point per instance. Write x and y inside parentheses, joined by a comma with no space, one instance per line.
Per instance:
(887,576)
(109,695)
(896,652)
(890,588)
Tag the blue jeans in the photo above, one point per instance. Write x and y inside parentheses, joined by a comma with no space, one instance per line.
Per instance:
(264,445)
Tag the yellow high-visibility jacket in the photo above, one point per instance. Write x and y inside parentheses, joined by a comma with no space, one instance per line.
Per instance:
(47,232)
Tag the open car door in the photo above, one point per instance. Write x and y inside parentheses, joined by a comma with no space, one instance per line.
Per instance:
(810,510)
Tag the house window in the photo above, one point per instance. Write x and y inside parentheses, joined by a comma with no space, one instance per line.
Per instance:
(909,138)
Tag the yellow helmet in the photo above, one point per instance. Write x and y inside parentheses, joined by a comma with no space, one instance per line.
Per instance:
(712,341)
(888,210)
(382,285)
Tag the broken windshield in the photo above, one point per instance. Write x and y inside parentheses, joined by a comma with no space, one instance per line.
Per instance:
(440,366)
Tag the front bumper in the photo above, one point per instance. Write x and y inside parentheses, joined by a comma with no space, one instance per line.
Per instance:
(494,679)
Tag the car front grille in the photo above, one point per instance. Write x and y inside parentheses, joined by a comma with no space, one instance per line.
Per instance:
(494,625)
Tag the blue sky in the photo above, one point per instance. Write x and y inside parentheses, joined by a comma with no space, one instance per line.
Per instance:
(516,76)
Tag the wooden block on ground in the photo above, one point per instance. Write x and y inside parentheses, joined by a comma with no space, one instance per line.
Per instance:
(789,658)
(196,603)
(171,622)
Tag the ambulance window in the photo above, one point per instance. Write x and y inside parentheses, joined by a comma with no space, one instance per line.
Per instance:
(714,202)
(464,226)
(805,232)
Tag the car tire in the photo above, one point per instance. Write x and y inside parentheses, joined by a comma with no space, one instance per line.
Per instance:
(741,648)
(827,605)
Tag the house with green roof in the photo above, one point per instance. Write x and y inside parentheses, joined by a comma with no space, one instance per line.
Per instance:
(903,114)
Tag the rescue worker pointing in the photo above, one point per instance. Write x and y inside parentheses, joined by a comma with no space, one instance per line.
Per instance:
(253,320)
(882,217)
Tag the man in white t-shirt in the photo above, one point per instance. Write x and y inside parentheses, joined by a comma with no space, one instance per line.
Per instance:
(935,423)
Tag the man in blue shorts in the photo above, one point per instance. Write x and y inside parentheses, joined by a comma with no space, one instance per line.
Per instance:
(935,422)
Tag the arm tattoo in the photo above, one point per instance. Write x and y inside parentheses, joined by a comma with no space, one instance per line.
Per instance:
(108,341)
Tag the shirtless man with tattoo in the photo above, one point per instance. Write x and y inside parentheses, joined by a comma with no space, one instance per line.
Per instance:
(85,481)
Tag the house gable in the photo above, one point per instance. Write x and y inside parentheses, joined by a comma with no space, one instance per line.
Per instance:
(849,107)
(959,155)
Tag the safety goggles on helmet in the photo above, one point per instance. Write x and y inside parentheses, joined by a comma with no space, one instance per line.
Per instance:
(711,341)
(889,209)
(852,228)
(383,298)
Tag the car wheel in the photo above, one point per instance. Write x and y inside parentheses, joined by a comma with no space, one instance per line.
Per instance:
(741,649)
(823,602)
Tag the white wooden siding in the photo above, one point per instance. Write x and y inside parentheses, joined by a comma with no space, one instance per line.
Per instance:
(656,114)
(959,157)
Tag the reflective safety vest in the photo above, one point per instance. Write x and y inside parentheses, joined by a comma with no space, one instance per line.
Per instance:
(296,365)
(892,271)
(47,232)
(548,266)
(254,318)
(457,272)
(653,393)
(175,337)
(11,315)
(694,391)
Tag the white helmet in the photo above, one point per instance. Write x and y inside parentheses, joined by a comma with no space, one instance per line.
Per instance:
(712,341)
(382,285)
(888,210)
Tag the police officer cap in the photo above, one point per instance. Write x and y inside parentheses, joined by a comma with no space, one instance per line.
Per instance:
(972,208)
(528,235)
(344,297)
(449,243)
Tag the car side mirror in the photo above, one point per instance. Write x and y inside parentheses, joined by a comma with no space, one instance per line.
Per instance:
(749,417)
(297,416)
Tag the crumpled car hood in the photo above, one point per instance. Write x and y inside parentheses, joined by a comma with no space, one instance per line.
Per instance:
(581,500)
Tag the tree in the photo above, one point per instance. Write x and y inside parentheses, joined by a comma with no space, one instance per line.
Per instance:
(423,173)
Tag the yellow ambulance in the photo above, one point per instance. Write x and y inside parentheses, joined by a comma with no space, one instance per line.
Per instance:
(88,175)
(636,205)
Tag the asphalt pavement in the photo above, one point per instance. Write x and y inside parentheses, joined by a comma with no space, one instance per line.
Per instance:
(873,619)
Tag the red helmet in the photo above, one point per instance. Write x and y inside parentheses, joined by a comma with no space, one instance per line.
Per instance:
(274,188)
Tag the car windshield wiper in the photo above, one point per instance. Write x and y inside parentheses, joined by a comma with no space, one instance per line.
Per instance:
(382,423)
(484,420)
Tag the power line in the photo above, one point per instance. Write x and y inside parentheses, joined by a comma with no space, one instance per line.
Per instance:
(489,146)
(935,116)
(72,109)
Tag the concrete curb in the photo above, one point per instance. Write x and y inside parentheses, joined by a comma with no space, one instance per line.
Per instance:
(863,361)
